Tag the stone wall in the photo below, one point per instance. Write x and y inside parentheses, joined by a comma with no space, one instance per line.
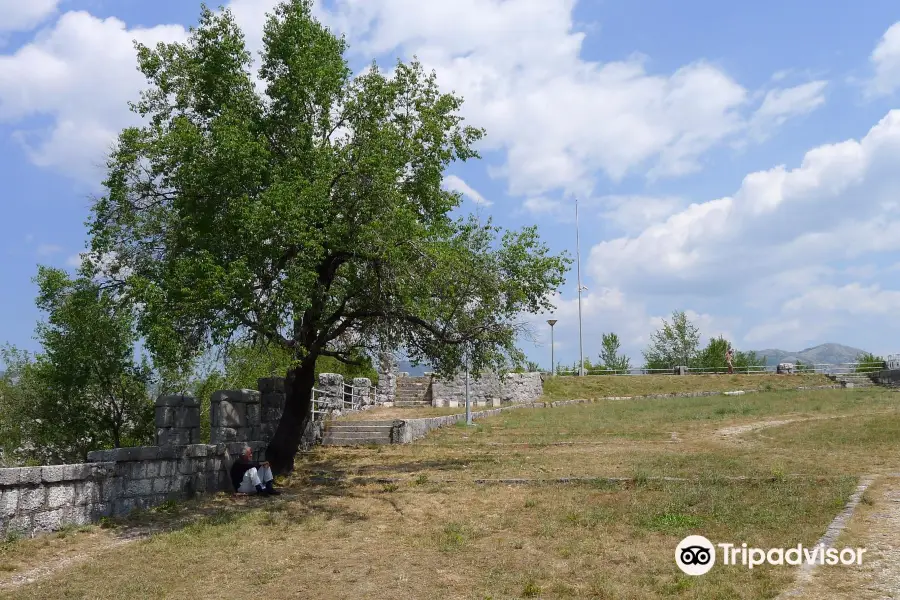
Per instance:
(387,379)
(887,377)
(490,389)
(112,483)
(115,482)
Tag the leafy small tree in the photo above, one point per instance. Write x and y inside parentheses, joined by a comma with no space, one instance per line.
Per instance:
(712,357)
(868,362)
(610,358)
(310,216)
(675,343)
(85,390)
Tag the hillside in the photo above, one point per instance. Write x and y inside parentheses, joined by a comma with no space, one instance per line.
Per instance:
(831,354)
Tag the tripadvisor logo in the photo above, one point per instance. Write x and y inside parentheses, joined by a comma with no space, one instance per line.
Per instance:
(696,555)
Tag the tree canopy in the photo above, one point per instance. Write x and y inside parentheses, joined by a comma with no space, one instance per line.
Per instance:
(86,390)
(304,208)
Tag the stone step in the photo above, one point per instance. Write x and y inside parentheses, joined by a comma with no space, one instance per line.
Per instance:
(349,426)
(341,441)
(411,404)
(330,424)
(358,434)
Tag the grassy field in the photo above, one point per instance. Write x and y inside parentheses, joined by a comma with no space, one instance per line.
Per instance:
(600,386)
(432,520)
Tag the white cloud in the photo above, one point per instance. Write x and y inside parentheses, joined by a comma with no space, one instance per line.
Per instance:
(47,250)
(561,120)
(23,15)
(885,61)
(543,206)
(634,213)
(81,73)
(831,207)
(779,105)
(853,299)
(456,184)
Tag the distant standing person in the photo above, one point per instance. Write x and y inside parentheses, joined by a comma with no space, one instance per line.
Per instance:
(729,357)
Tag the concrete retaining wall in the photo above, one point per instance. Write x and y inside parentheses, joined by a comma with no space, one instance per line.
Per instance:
(516,388)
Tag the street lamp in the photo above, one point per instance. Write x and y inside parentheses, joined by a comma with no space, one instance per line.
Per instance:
(552,322)
(580,288)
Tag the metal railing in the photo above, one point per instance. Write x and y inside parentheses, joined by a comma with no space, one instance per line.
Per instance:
(821,368)
(324,402)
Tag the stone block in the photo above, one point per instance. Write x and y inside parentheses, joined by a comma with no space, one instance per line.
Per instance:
(228,413)
(78,472)
(53,473)
(495,402)
(223,434)
(9,476)
(29,475)
(137,470)
(168,452)
(86,492)
(51,520)
(123,506)
(270,384)
(138,487)
(61,495)
(32,498)
(187,417)
(273,401)
(162,485)
(81,515)
(22,525)
(198,450)
(173,437)
(112,489)
(9,500)
(165,416)
(151,468)
(253,415)
(100,509)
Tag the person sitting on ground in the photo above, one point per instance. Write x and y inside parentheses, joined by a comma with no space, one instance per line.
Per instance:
(729,356)
(250,477)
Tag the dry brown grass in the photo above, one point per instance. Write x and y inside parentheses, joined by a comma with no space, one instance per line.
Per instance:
(428,530)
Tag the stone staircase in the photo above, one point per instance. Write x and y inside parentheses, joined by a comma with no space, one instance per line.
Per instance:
(413,392)
(357,433)
(853,380)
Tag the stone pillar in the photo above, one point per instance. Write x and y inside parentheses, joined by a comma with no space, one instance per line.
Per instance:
(680,370)
(234,416)
(362,391)
(177,421)
(273,395)
(332,384)
(386,390)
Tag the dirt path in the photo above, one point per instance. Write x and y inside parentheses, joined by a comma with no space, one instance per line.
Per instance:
(53,565)
(875,527)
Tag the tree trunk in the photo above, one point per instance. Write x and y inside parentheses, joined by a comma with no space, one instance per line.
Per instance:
(298,393)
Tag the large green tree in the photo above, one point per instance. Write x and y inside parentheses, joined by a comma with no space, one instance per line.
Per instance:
(305,208)
(86,389)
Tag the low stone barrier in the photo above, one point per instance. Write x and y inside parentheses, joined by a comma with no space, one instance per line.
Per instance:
(112,484)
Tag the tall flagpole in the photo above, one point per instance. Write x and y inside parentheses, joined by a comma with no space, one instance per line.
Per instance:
(578,263)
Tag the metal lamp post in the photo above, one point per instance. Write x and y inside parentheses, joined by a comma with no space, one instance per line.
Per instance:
(580,288)
(468,402)
(552,322)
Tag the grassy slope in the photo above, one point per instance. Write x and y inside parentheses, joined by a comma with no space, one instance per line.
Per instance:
(435,533)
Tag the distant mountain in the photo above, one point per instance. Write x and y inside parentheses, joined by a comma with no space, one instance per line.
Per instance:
(825,354)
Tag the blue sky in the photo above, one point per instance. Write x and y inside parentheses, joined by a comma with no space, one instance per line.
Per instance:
(736,160)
